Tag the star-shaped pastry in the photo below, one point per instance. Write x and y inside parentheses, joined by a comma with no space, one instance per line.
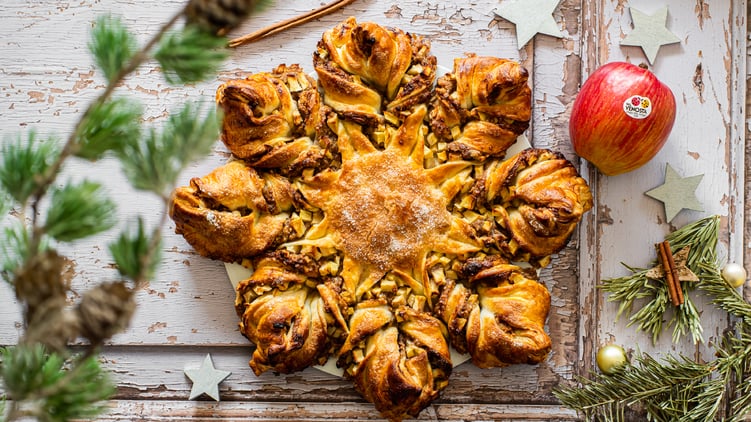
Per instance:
(206,379)
(530,17)
(650,32)
(677,193)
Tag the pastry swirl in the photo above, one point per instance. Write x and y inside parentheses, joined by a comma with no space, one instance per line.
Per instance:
(481,107)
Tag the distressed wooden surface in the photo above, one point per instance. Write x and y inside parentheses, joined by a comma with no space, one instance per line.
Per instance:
(47,78)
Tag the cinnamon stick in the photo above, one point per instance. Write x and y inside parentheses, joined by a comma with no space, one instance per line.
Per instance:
(668,266)
(289,23)
(674,272)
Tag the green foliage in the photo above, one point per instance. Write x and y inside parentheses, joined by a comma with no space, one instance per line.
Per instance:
(14,249)
(676,389)
(155,163)
(22,161)
(79,210)
(702,237)
(112,46)
(56,391)
(190,55)
(130,252)
(109,126)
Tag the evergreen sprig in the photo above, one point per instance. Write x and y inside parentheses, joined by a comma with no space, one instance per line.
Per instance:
(702,237)
(109,126)
(676,388)
(189,55)
(112,46)
(154,163)
(62,386)
(21,161)
(78,211)
(46,385)
(130,250)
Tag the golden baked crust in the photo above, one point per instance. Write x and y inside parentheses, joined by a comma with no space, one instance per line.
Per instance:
(482,106)
(274,120)
(497,314)
(233,212)
(538,199)
(379,218)
(370,72)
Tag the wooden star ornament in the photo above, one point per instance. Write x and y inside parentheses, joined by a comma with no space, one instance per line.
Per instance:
(206,379)
(677,193)
(530,17)
(684,273)
(650,32)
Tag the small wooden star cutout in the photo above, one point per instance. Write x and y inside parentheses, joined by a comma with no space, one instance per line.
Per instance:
(684,273)
(650,32)
(206,379)
(677,193)
(530,17)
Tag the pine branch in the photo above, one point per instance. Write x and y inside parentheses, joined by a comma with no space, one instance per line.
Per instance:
(702,238)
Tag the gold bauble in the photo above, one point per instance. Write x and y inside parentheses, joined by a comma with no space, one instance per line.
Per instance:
(610,357)
(734,274)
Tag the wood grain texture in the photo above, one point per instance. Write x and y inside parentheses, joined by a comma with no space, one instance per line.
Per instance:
(47,79)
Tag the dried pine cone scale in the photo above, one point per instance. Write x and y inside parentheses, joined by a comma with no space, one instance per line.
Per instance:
(389,218)
(218,16)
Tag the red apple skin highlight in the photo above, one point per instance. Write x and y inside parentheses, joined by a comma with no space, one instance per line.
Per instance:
(601,129)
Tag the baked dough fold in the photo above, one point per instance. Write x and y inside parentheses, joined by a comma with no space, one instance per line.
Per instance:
(481,107)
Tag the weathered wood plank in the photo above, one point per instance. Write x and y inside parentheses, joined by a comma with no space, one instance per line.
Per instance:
(47,78)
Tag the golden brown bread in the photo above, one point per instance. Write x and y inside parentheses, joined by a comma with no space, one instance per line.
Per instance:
(537,198)
(233,212)
(379,218)
(369,72)
(481,107)
(399,360)
(497,313)
(274,119)
(283,316)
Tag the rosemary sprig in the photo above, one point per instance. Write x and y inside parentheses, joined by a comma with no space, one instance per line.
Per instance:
(702,237)
(675,388)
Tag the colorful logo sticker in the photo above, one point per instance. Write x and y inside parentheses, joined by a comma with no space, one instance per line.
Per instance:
(637,106)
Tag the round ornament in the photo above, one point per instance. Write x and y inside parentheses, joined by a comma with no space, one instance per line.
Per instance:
(610,357)
(734,274)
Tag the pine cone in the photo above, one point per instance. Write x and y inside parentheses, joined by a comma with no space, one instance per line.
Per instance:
(52,324)
(105,310)
(218,16)
(44,277)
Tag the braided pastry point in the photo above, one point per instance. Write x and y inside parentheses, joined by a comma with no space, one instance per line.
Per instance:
(233,212)
(399,360)
(497,314)
(538,198)
(292,322)
(272,119)
(481,107)
(369,72)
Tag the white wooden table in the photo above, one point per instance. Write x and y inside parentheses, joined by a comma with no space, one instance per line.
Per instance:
(47,78)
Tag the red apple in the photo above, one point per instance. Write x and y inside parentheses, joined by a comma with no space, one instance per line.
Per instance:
(621,117)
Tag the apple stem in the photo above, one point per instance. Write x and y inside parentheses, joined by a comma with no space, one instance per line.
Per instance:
(643,66)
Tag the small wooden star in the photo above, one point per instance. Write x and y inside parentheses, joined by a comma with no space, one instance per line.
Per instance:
(650,32)
(206,379)
(530,17)
(677,193)
(684,273)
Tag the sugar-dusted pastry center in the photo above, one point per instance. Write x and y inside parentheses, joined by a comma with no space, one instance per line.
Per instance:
(387,211)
